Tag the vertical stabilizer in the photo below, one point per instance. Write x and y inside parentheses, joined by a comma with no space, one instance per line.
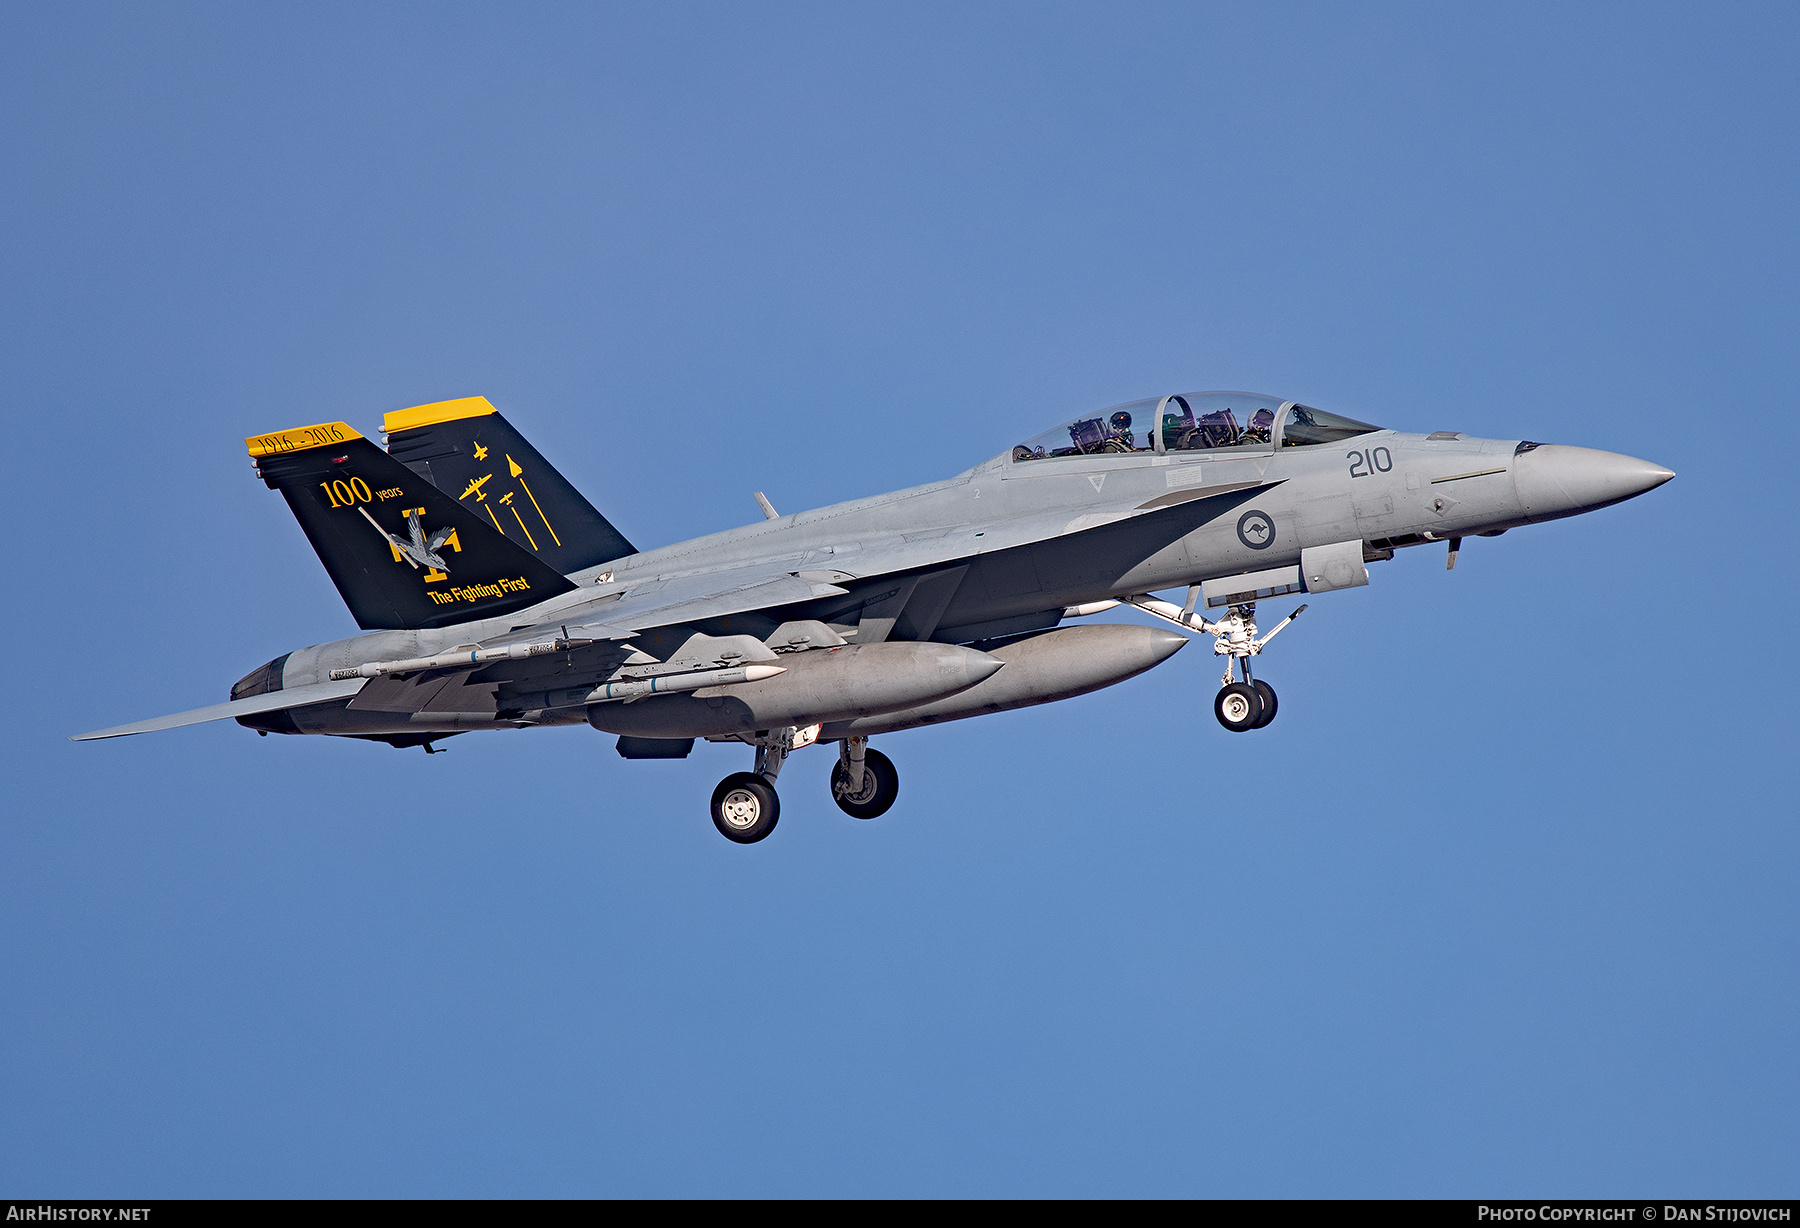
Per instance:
(402,553)
(474,455)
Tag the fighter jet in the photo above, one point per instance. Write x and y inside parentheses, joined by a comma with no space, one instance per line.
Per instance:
(955,599)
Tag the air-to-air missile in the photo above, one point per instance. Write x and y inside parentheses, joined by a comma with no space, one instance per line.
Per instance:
(839,683)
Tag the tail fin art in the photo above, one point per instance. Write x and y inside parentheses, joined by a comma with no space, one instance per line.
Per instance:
(474,455)
(402,553)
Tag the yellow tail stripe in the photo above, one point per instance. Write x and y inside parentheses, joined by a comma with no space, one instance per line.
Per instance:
(300,438)
(521,520)
(437,411)
(540,511)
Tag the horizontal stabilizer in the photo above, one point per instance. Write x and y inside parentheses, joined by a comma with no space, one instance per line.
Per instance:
(298,697)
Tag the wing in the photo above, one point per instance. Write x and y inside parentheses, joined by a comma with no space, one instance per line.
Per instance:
(298,697)
(713,594)
(630,606)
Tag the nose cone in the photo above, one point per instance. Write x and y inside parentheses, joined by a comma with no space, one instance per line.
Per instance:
(1555,481)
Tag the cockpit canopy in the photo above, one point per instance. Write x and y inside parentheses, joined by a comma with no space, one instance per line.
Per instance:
(1192,422)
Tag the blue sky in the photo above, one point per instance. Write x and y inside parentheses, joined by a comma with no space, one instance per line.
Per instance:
(1503,902)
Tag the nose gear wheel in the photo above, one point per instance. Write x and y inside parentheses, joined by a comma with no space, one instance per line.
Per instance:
(1266,693)
(1238,707)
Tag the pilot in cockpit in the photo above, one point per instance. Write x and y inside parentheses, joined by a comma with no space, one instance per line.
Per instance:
(1120,440)
(1261,423)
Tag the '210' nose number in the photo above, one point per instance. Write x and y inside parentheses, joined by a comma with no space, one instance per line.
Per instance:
(1367,464)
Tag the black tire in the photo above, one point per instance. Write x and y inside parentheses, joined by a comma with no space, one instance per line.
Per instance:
(1238,707)
(1266,693)
(881,785)
(745,807)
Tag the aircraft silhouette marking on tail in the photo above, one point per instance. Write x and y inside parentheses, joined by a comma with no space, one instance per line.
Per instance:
(451,445)
(517,473)
(506,501)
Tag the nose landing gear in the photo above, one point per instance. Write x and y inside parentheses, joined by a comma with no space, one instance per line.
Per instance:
(1250,704)
(1240,706)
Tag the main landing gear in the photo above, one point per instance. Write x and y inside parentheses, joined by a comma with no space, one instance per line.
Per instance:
(745,806)
(863,783)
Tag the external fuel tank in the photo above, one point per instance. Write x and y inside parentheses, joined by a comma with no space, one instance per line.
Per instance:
(1040,669)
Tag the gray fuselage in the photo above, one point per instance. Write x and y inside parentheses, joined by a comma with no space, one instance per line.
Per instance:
(1010,545)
